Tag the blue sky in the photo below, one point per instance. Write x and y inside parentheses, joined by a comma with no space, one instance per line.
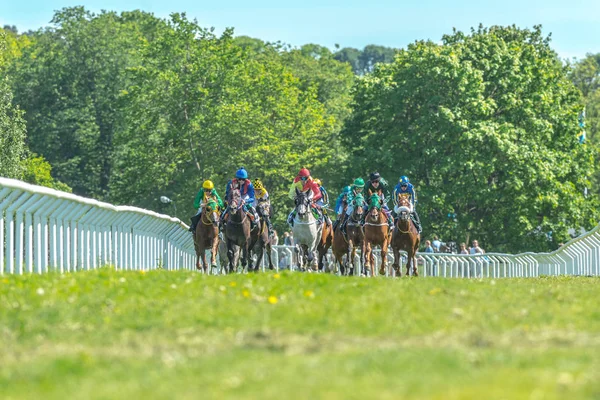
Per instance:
(574,24)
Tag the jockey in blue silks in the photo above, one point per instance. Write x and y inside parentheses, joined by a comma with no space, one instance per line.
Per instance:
(246,189)
(405,189)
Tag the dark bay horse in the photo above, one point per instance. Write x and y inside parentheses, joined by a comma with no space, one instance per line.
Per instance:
(260,240)
(355,231)
(237,231)
(405,237)
(339,247)
(377,233)
(206,235)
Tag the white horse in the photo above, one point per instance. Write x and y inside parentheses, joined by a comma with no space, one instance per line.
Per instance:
(307,231)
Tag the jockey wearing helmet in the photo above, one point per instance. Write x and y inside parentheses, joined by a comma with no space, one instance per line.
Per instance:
(340,204)
(303,182)
(405,189)
(376,184)
(243,184)
(207,193)
(356,188)
(262,197)
(323,202)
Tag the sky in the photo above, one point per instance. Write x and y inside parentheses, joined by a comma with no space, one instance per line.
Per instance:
(574,24)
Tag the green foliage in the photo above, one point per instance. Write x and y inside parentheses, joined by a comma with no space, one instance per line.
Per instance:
(485,125)
(36,170)
(12,125)
(363,62)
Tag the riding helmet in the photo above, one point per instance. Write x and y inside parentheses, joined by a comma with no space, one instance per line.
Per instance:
(208,185)
(241,173)
(374,176)
(359,182)
(304,173)
(404,180)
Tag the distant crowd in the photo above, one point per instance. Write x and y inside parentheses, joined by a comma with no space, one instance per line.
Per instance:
(437,246)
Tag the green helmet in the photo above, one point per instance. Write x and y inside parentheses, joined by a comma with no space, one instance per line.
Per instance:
(346,189)
(359,182)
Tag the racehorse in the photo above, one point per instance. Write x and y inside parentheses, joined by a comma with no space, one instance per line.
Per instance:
(340,244)
(324,244)
(307,230)
(377,233)
(260,240)
(405,237)
(237,231)
(355,231)
(206,235)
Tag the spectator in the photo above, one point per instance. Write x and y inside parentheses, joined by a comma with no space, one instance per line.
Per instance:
(275,238)
(436,244)
(428,248)
(286,238)
(476,249)
(284,261)
(463,248)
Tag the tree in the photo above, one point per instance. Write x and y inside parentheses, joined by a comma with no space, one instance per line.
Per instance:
(485,126)
(363,62)
(12,125)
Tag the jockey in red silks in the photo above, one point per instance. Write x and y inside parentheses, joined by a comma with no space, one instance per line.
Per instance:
(303,182)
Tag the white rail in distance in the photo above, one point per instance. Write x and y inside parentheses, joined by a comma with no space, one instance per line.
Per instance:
(43,229)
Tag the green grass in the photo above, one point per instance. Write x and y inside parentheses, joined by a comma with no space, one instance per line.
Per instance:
(182,335)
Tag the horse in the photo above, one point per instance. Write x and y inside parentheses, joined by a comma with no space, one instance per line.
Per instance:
(260,240)
(405,237)
(324,244)
(206,235)
(377,233)
(237,231)
(306,229)
(340,244)
(355,231)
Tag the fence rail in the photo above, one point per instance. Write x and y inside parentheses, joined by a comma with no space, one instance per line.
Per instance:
(43,229)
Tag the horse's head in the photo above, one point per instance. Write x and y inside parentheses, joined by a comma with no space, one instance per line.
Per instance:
(404,208)
(235,200)
(212,211)
(263,208)
(303,200)
(359,206)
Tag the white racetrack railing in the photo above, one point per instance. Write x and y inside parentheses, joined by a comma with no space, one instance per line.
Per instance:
(43,229)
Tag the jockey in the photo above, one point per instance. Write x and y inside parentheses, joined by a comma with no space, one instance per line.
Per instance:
(356,188)
(262,196)
(323,202)
(303,182)
(246,189)
(204,195)
(340,204)
(376,184)
(405,189)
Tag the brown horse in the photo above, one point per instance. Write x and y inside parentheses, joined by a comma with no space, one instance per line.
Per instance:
(405,237)
(325,243)
(339,247)
(260,240)
(355,231)
(237,231)
(206,235)
(377,233)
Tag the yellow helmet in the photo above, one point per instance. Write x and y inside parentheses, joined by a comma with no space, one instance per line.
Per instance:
(208,185)
(258,184)
(318,182)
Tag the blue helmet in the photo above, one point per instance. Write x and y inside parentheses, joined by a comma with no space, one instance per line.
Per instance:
(404,180)
(346,189)
(241,173)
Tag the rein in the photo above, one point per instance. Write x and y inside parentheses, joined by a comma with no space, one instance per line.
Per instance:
(205,223)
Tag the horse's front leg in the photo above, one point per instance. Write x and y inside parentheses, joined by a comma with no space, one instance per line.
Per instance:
(246,261)
(367,257)
(397,261)
(350,257)
(231,256)
(383,268)
(270,256)
(197,260)
(213,252)
(204,263)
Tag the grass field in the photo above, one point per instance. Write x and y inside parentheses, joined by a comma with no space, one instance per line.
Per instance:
(182,335)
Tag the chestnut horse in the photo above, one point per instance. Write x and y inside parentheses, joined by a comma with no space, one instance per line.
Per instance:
(377,233)
(405,237)
(206,235)
(324,244)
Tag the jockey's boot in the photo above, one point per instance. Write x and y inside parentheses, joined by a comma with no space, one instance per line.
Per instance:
(291,217)
(417,221)
(343,227)
(335,224)
(194,223)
